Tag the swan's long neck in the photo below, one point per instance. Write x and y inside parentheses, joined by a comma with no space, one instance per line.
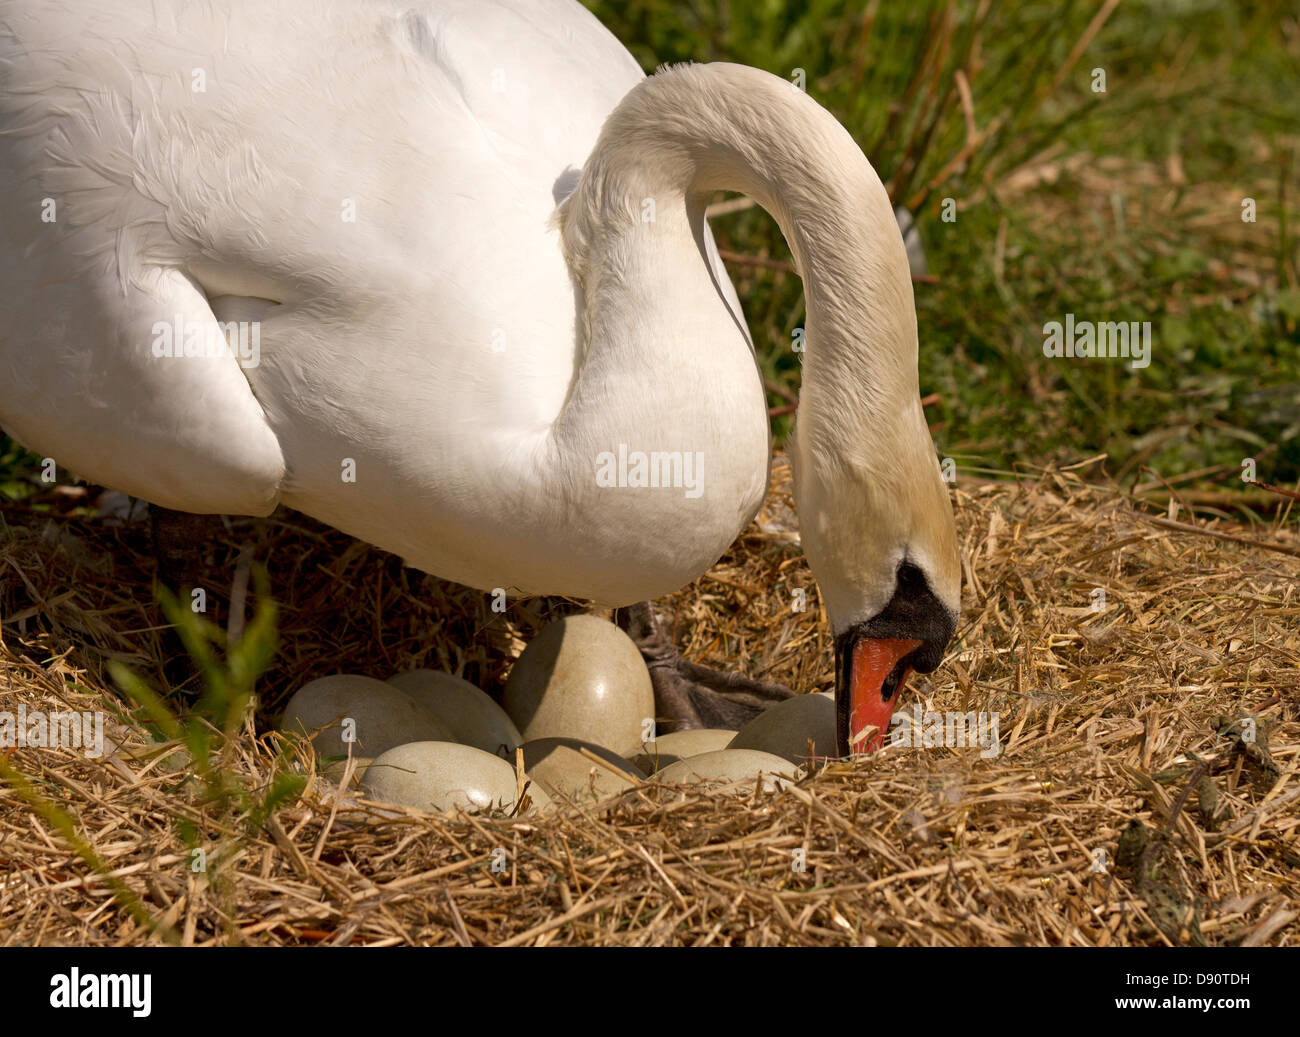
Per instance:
(663,362)
(687,132)
(650,312)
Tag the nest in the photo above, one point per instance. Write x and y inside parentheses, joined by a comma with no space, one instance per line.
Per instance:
(1143,668)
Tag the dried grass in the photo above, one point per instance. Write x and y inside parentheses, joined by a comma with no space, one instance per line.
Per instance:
(1106,718)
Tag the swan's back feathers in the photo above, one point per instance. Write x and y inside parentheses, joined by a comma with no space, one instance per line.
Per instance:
(383,171)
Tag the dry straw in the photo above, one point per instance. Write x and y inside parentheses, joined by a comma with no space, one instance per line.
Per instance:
(1127,805)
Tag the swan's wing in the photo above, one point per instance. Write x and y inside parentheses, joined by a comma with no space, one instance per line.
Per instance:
(384,172)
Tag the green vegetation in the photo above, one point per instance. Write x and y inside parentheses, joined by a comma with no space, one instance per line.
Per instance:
(208,751)
(207,736)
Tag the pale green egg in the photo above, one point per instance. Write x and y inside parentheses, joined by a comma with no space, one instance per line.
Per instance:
(786,728)
(678,745)
(444,776)
(471,715)
(560,767)
(726,766)
(582,677)
(375,715)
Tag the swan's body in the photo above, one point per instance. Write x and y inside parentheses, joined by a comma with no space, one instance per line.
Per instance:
(465,345)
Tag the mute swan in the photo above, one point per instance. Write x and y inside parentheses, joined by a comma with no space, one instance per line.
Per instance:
(469,239)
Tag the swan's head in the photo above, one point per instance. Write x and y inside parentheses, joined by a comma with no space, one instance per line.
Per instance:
(878,531)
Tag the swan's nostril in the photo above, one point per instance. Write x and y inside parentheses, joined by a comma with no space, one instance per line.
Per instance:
(897,676)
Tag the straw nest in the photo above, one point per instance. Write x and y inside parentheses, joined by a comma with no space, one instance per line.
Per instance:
(1129,802)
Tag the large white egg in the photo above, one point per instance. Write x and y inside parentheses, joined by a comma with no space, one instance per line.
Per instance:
(381,716)
(471,715)
(559,766)
(679,745)
(730,765)
(784,729)
(581,677)
(441,776)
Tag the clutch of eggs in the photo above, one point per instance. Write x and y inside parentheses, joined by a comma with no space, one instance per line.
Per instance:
(578,703)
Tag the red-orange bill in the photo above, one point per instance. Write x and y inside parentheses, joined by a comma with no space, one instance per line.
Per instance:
(870,711)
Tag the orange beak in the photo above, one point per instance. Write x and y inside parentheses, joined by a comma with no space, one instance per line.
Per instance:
(869,685)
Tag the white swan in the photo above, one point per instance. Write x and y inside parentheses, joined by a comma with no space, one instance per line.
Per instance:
(473,235)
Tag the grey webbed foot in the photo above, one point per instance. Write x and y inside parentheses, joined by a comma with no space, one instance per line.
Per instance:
(691,695)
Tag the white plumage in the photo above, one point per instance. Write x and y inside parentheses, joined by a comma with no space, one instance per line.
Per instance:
(446,237)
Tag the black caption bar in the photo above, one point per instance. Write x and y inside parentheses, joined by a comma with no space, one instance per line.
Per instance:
(163,987)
